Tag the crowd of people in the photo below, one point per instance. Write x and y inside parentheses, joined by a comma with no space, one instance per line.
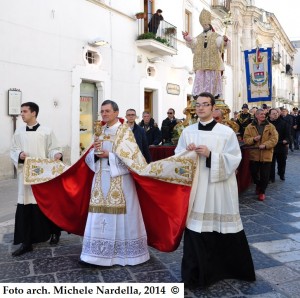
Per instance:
(269,133)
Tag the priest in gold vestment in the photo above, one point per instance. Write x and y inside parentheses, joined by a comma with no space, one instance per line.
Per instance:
(115,232)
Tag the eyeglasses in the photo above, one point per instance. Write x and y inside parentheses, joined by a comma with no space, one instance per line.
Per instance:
(205,104)
(170,113)
(130,115)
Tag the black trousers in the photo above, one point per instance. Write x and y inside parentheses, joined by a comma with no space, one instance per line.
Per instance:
(279,156)
(260,173)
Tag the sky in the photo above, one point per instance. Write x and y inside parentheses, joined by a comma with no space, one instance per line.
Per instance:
(287,14)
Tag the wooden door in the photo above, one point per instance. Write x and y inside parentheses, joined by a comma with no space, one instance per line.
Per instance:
(148,102)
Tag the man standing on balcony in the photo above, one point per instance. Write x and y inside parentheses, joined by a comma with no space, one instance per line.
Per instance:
(208,65)
(155,21)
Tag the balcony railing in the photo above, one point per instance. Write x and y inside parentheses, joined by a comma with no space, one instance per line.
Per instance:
(276,58)
(282,94)
(221,4)
(285,96)
(163,32)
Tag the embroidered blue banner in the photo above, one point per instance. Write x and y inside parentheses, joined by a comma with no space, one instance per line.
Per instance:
(259,74)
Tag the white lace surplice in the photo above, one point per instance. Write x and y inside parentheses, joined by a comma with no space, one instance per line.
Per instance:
(214,204)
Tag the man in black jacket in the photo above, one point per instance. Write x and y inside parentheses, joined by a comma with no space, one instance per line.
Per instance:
(244,119)
(139,134)
(167,127)
(289,119)
(296,126)
(281,149)
(153,133)
(155,20)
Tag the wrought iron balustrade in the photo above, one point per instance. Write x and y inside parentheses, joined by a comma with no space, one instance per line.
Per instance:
(163,31)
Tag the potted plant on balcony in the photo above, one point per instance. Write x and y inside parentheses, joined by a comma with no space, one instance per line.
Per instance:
(147,35)
(170,31)
(140,15)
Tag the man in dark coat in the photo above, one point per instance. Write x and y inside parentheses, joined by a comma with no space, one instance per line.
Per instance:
(296,126)
(289,119)
(153,133)
(139,134)
(244,119)
(167,126)
(155,20)
(280,150)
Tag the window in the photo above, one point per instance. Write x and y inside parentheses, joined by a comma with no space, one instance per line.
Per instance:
(151,71)
(92,57)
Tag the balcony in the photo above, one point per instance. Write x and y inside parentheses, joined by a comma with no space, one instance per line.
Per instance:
(284,96)
(221,7)
(276,58)
(163,42)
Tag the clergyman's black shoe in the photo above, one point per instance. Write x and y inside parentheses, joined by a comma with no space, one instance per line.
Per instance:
(282,177)
(54,239)
(22,250)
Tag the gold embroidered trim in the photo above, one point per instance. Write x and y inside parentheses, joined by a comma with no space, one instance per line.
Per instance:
(173,169)
(107,210)
(114,202)
(36,169)
(226,218)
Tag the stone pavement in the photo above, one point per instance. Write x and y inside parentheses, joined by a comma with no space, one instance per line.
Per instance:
(272,228)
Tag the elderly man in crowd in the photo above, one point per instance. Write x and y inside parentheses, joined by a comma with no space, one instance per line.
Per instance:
(153,133)
(262,136)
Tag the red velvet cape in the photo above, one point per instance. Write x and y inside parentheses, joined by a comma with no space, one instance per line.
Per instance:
(65,200)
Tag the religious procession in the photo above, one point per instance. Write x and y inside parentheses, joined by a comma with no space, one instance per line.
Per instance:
(131,184)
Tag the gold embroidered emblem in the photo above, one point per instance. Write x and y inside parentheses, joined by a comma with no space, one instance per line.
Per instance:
(183,171)
(36,170)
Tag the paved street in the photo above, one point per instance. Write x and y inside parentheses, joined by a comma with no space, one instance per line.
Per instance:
(272,228)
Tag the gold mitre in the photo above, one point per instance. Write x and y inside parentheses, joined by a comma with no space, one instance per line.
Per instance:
(205,17)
